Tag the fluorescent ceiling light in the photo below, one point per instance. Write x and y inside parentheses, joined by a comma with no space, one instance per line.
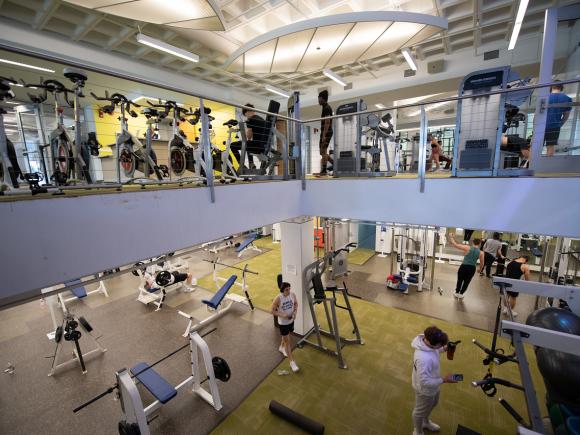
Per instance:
(25,65)
(409,58)
(11,102)
(429,107)
(277,91)
(167,48)
(518,24)
(380,106)
(333,76)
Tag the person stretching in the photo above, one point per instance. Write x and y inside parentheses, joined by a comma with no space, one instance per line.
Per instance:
(467,268)
(514,270)
(426,377)
(284,307)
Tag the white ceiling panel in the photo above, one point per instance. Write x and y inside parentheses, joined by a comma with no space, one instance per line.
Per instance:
(93,4)
(357,41)
(324,44)
(290,50)
(393,39)
(259,59)
(159,11)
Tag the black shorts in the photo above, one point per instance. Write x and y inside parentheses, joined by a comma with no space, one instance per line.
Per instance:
(179,277)
(286,329)
(512,294)
(551,137)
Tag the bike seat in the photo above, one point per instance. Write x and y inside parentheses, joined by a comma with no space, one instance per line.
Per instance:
(75,75)
(231,123)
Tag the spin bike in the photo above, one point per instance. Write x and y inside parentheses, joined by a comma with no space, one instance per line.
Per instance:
(71,158)
(131,154)
(228,171)
(182,153)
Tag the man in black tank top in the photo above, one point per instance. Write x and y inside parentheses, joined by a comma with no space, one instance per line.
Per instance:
(514,270)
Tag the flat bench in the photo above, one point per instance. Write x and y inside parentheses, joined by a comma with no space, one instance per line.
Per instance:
(247,242)
(80,292)
(216,300)
(155,384)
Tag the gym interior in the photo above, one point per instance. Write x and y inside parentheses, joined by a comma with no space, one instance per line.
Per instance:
(300,216)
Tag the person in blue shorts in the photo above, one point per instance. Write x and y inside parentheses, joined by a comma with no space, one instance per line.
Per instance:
(559,107)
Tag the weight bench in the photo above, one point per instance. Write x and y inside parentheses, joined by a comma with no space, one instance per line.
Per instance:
(155,295)
(80,291)
(154,383)
(215,304)
(248,243)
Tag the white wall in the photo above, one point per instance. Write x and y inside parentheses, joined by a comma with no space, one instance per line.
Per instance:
(48,241)
(518,205)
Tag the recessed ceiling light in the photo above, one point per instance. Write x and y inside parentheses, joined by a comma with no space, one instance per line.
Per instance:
(333,76)
(167,48)
(277,91)
(25,65)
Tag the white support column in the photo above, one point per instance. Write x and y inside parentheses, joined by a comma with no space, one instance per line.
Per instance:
(297,253)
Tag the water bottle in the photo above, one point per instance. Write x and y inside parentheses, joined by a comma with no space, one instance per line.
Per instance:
(283,372)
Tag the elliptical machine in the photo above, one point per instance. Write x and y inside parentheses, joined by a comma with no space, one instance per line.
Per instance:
(131,154)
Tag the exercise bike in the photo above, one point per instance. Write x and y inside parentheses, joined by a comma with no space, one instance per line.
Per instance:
(131,154)
(228,171)
(182,154)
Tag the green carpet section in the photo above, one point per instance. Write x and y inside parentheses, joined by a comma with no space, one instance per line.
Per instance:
(360,256)
(374,395)
(263,287)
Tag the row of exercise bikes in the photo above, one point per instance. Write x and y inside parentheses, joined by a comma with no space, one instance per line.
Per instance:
(66,159)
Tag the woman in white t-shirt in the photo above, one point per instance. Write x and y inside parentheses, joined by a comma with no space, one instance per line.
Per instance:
(284,307)
(491,250)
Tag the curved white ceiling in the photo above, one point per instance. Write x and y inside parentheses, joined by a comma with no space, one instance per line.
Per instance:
(189,14)
(335,40)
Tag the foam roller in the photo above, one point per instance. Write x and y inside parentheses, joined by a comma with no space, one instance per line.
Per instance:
(299,420)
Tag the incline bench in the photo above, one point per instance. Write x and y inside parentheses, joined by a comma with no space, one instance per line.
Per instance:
(248,243)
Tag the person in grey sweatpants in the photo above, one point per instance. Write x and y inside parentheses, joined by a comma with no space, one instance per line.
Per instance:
(426,377)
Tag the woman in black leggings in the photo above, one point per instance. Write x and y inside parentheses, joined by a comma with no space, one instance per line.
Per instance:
(467,268)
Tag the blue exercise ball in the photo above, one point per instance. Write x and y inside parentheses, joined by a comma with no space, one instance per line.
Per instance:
(555,319)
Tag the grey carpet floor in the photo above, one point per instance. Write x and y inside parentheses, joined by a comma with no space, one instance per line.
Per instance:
(32,402)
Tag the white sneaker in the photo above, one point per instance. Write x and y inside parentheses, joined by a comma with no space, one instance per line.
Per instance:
(514,314)
(431,427)
(188,289)
(456,295)
(293,366)
(504,311)
(460,296)
(282,351)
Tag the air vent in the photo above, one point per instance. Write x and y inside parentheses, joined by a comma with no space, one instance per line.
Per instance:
(409,73)
(436,67)
(489,55)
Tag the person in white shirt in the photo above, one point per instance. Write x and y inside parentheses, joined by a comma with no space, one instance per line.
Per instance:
(491,250)
(426,377)
(284,307)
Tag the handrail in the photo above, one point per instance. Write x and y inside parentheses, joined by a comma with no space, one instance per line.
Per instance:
(168,87)
(445,100)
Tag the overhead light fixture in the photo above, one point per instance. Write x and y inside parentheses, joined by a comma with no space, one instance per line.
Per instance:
(167,48)
(25,65)
(429,108)
(380,106)
(409,58)
(277,91)
(333,76)
(518,24)
(12,102)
